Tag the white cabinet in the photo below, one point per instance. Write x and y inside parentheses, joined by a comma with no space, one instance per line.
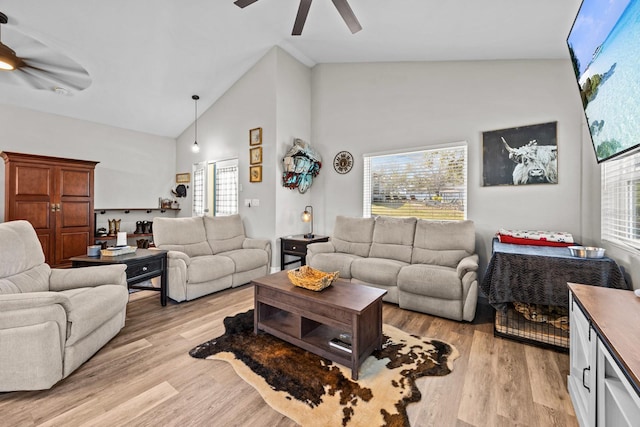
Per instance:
(603,352)
(582,354)
(618,402)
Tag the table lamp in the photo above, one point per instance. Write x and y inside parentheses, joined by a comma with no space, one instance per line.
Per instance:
(307,216)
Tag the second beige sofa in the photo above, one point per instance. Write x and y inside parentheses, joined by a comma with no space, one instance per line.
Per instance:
(426,266)
(209,254)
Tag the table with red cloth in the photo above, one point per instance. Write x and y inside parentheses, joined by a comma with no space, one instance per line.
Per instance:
(539,274)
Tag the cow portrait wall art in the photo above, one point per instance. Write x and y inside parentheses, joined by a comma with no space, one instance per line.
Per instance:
(521,155)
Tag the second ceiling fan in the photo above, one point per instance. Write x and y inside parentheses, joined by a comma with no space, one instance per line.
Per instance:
(303,10)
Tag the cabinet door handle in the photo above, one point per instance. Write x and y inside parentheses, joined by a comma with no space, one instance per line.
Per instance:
(588,368)
(293,247)
(145,268)
(53,207)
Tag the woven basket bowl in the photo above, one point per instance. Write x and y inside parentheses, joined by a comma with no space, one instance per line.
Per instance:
(310,278)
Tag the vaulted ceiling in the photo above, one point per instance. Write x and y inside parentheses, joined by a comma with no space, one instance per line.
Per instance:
(146,58)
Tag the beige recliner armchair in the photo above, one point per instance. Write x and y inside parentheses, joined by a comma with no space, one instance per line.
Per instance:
(51,320)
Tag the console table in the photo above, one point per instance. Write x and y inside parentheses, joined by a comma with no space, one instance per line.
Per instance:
(142,265)
(296,246)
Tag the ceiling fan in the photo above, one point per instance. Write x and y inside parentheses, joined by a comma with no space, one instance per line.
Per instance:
(38,66)
(303,10)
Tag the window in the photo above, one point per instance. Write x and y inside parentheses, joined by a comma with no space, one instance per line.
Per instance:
(226,188)
(620,208)
(198,189)
(215,188)
(426,183)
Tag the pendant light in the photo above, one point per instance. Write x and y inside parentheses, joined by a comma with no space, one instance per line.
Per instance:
(195,147)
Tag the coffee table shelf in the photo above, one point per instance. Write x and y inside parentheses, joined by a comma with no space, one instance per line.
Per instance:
(311,319)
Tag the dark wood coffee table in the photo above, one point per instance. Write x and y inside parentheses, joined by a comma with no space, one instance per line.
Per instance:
(142,265)
(310,319)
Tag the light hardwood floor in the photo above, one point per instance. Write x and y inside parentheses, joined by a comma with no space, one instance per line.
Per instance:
(145,377)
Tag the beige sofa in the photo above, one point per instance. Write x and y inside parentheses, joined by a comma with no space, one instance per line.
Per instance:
(51,320)
(426,266)
(208,254)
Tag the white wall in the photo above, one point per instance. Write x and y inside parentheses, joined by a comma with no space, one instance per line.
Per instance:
(366,108)
(293,121)
(276,96)
(134,170)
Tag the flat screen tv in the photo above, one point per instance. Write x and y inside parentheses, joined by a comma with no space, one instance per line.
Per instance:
(604,45)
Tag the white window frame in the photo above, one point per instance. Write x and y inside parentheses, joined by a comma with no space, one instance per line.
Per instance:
(368,184)
(206,200)
(620,201)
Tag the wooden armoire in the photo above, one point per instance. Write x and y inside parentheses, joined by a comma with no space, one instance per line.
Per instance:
(56,196)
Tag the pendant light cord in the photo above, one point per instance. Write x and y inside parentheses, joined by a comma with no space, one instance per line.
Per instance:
(195,98)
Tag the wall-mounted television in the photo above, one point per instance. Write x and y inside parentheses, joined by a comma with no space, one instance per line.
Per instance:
(604,45)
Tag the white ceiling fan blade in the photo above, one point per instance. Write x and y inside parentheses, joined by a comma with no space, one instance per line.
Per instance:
(347,14)
(58,69)
(54,79)
(20,78)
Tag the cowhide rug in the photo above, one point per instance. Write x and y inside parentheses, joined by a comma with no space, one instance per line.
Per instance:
(314,391)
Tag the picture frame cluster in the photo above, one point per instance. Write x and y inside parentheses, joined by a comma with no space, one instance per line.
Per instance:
(255,155)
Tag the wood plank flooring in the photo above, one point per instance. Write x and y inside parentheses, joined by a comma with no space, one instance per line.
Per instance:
(145,377)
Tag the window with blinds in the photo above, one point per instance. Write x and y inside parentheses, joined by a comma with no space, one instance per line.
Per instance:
(428,183)
(620,200)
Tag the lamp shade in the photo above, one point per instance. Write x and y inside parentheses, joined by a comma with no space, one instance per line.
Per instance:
(307,216)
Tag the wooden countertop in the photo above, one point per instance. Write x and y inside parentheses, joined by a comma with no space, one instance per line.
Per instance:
(615,315)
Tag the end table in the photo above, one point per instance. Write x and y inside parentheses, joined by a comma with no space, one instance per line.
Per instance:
(296,246)
(142,265)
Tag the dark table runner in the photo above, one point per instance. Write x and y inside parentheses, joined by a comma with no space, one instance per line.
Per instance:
(539,274)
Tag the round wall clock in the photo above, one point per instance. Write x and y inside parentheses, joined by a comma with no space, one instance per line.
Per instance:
(343,162)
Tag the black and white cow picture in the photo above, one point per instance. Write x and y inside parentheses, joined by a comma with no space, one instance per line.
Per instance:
(520,156)
(534,164)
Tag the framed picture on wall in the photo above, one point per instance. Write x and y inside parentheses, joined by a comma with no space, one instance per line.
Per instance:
(255,136)
(255,155)
(520,155)
(255,174)
(183,178)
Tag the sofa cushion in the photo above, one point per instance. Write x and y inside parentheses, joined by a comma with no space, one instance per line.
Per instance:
(353,235)
(209,267)
(91,307)
(36,279)
(443,242)
(430,280)
(224,233)
(377,270)
(393,238)
(181,234)
(330,262)
(247,259)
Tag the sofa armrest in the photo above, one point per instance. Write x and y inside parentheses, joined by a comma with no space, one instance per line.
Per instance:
(178,255)
(62,279)
(29,300)
(320,247)
(467,264)
(250,243)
